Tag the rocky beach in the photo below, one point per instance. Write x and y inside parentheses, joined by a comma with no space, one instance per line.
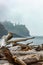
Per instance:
(14,53)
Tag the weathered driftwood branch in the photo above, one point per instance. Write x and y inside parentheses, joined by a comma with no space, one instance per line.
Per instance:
(19,61)
(8,55)
(24,47)
(22,52)
(37,63)
(19,40)
(39,48)
(4,39)
(31,59)
(19,47)
(29,43)
(22,60)
(8,36)
(15,60)
(22,44)
(25,52)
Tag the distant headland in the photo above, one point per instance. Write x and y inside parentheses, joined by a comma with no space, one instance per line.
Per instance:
(17,30)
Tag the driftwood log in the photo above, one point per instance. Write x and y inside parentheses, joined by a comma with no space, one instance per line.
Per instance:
(22,60)
(8,36)
(15,60)
(39,48)
(5,38)
(23,56)
(26,52)
(24,47)
(19,40)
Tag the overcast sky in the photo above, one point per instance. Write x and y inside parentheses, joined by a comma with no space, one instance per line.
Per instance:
(28,12)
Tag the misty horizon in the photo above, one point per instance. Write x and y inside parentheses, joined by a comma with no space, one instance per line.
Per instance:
(28,13)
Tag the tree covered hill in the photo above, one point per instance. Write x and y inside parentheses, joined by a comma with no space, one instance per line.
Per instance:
(18,29)
(3,31)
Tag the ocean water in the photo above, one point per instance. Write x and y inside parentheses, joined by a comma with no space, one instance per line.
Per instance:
(37,40)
